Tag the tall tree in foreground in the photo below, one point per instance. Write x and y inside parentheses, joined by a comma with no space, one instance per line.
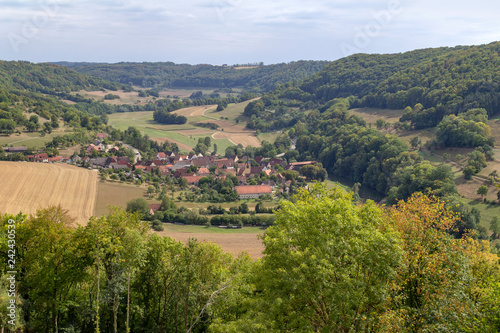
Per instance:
(434,278)
(52,265)
(328,265)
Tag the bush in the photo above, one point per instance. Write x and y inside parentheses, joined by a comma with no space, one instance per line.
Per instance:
(157,225)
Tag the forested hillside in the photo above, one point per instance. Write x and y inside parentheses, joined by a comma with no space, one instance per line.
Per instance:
(48,78)
(444,80)
(258,78)
(36,88)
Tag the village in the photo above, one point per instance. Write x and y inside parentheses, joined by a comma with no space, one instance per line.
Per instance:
(253,178)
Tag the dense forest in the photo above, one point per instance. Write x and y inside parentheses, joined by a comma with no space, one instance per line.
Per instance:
(258,78)
(443,80)
(329,265)
(48,78)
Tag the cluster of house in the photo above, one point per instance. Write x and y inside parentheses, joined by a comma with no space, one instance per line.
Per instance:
(180,166)
(99,147)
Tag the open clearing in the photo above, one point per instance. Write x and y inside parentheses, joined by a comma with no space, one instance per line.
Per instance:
(233,241)
(370,115)
(28,187)
(131,97)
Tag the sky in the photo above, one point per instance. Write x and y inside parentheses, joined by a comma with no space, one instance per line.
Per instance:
(237,31)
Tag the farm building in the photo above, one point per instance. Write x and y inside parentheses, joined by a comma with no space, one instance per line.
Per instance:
(15,149)
(252,191)
(297,165)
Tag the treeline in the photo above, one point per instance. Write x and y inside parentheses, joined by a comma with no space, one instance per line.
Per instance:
(113,275)
(259,78)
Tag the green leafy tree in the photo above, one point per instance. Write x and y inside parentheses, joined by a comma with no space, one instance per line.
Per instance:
(138,205)
(495,226)
(52,264)
(469,171)
(415,142)
(482,191)
(327,265)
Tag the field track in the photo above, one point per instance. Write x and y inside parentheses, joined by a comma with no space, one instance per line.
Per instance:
(27,187)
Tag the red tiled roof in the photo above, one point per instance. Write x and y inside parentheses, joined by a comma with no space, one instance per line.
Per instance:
(154,207)
(203,171)
(253,189)
(192,179)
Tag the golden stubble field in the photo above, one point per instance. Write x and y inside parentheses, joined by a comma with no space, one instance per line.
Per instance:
(27,187)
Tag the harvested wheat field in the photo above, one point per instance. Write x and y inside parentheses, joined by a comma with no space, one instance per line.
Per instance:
(245,139)
(27,187)
(194,110)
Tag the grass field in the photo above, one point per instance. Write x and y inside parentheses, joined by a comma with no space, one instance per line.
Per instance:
(34,139)
(116,194)
(234,241)
(232,112)
(269,137)
(28,187)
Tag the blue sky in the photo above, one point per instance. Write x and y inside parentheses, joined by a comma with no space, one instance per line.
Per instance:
(236,31)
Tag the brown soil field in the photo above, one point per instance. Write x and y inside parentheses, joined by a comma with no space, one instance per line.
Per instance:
(115,194)
(181,146)
(28,187)
(233,243)
(194,111)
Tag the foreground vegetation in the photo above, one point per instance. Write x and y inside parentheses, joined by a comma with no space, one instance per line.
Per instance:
(329,265)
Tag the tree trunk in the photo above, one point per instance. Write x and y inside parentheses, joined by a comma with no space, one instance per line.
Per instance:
(98,288)
(128,301)
(115,314)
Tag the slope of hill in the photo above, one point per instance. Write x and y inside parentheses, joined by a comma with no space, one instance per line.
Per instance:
(27,88)
(48,78)
(449,80)
(170,75)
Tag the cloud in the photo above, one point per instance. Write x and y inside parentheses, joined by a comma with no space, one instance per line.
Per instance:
(231,31)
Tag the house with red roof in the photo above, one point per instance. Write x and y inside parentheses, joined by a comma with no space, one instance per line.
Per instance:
(154,208)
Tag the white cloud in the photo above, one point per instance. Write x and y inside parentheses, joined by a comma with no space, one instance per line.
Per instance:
(230,31)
